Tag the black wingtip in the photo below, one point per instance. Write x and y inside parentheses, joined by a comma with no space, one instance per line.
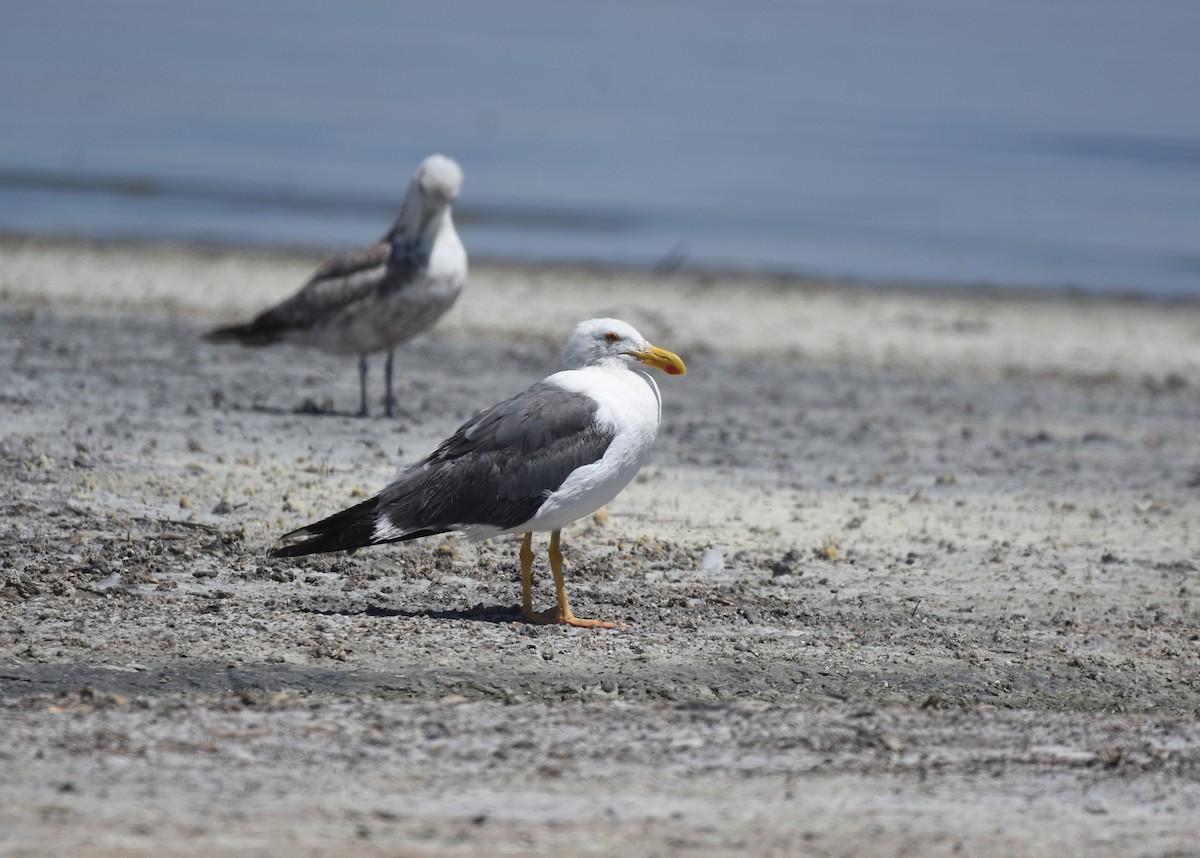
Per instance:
(298,550)
(222,335)
(245,334)
(347,530)
(349,540)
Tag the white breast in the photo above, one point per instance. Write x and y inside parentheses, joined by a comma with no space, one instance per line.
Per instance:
(629,403)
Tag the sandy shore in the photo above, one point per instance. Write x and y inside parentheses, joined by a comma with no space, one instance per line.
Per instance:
(911,572)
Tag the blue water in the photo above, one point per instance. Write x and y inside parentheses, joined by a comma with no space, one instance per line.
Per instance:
(1029,142)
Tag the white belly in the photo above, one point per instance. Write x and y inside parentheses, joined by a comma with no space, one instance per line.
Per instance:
(630,402)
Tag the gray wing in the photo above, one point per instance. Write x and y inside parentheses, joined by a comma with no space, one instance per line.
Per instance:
(500,465)
(346,279)
(358,275)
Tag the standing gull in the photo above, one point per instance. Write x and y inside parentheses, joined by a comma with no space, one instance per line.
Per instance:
(375,297)
(554,453)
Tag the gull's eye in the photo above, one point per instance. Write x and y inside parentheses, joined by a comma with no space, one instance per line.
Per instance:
(610,337)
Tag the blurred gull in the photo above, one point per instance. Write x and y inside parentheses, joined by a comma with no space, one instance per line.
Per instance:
(377,296)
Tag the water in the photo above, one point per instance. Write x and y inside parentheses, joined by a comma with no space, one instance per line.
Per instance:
(1032,142)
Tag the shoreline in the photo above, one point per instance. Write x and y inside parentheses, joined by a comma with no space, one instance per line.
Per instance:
(763,276)
(985,332)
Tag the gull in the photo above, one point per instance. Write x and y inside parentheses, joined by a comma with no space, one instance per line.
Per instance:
(377,296)
(554,453)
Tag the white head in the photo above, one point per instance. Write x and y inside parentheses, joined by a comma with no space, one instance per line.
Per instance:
(613,343)
(434,187)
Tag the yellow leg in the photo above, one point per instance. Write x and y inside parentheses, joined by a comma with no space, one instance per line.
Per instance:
(562,614)
(527,577)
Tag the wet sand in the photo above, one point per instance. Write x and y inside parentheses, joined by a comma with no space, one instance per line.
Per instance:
(911,572)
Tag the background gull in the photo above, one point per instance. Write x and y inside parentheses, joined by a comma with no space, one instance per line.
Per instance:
(375,297)
(554,453)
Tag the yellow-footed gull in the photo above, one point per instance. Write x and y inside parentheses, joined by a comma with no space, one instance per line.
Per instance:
(556,452)
(377,296)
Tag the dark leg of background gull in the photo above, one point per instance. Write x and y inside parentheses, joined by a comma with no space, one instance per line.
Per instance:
(363,411)
(390,400)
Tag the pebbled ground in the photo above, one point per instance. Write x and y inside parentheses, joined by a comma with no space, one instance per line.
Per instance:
(871,610)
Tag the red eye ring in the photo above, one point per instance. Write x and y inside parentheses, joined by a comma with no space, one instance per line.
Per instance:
(610,337)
